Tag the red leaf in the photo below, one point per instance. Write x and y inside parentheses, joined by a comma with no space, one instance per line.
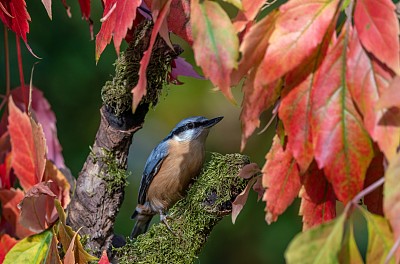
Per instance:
(295,113)
(254,45)
(215,44)
(179,20)
(368,81)
(85,8)
(18,22)
(118,17)
(5,173)
(299,29)
(43,113)
(37,207)
(28,147)
(140,89)
(250,9)
(390,97)
(374,200)
(10,212)
(255,101)
(104,258)
(378,26)
(318,201)
(6,243)
(281,178)
(341,145)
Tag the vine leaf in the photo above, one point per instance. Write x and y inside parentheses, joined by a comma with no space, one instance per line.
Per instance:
(318,201)
(215,44)
(281,178)
(378,26)
(28,146)
(342,147)
(299,29)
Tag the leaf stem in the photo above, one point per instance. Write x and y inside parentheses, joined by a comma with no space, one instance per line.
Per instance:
(7,60)
(392,251)
(21,73)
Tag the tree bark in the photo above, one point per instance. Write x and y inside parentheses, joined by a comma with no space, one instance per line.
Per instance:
(100,186)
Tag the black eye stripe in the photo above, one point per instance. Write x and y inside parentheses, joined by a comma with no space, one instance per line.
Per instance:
(188,126)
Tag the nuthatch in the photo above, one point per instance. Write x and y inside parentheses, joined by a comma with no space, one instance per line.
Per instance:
(169,170)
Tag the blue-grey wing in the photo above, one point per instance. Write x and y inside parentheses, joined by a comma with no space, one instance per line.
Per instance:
(151,168)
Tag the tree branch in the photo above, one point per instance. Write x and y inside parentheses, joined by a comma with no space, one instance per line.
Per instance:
(192,219)
(100,186)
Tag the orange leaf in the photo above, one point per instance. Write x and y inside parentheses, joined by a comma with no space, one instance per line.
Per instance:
(281,178)
(104,258)
(318,201)
(368,81)
(52,173)
(140,89)
(6,243)
(342,147)
(28,147)
(390,97)
(215,44)
(250,9)
(10,212)
(299,29)
(378,26)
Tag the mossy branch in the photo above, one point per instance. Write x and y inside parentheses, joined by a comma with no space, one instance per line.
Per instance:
(208,200)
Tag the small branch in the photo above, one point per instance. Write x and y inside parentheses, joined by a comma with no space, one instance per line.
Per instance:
(392,251)
(21,74)
(193,218)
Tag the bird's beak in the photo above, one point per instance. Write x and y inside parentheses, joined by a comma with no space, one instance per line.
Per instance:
(212,122)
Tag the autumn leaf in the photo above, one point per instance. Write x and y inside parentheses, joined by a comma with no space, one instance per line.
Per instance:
(17,18)
(215,43)
(249,170)
(368,81)
(118,17)
(255,101)
(299,29)
(380,237)
(391,96)
(33,249)
(6,177)
(140,89)
(70,257)
(378,27)
(376,170)
(104,258)
(250,8)
(66,234)
(342,147)
(391,198)
(240,200)
(6,243)
(254,45)
(318,201)
(317,245)
(37,207)
(41,110)
(62,188)
(179,20)
(28,147)
(281,178)
(349,252)
(10,212)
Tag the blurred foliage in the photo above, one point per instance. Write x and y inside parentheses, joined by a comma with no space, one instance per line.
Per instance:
(71,81)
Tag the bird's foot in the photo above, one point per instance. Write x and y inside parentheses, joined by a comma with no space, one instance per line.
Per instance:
(164,218)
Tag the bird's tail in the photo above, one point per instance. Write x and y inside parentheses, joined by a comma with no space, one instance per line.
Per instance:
(142,223)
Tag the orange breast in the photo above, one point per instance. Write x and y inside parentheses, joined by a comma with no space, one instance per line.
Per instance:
(182,164)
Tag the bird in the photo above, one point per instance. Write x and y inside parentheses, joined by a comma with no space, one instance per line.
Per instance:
(169,169)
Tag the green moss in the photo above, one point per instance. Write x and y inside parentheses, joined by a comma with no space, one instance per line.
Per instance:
(115,176)
(117,93)
(193,217)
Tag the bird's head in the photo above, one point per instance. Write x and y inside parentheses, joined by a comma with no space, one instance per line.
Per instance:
(193,128)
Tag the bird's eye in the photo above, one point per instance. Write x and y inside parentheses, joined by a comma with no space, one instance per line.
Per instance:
(190,125)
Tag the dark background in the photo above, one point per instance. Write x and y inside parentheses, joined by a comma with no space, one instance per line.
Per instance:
(71,81)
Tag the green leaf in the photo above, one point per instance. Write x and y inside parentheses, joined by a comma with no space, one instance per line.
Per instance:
(380,237)
(317,245)
(237,3)
(33,249)
(350,253)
